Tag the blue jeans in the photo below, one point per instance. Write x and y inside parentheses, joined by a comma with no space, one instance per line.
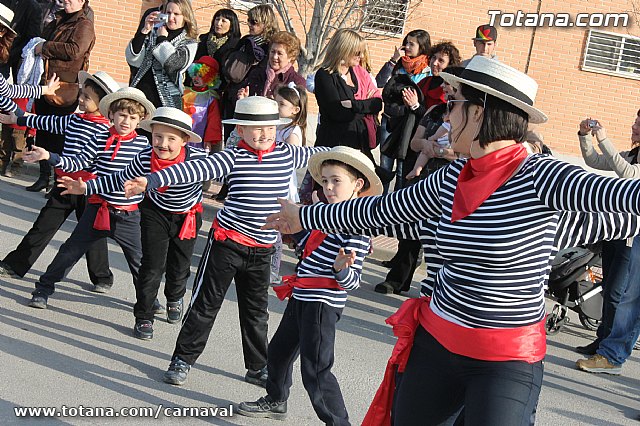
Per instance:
(617,346)
(615,269)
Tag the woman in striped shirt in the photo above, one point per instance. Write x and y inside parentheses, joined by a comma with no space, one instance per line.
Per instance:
(479,341)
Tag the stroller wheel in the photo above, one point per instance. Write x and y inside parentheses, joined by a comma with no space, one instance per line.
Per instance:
(588,322)
(556,320)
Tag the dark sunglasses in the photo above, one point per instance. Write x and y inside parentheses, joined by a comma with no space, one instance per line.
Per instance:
(252,22)
(452,102)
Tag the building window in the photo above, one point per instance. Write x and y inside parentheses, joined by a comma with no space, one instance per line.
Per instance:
(613,54)
(385,16)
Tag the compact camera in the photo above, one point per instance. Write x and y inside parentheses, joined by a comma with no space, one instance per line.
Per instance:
(161,20)
(592,123)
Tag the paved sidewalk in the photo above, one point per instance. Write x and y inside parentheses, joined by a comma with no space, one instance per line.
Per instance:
(81,351)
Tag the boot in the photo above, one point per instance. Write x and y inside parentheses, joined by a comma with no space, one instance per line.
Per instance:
(5,169)
(43,181)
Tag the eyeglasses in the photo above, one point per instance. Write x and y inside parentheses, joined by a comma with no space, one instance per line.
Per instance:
(452,102)
(252,22)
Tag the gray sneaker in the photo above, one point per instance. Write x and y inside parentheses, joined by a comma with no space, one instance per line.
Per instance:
(38,301)
(264,408)
(6,270)
(174,311)
(177,372)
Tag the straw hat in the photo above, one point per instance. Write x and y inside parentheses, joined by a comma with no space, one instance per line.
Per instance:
(352,157)
(502,81)
(126,93)
(6,17)
(257,111)
(101,78)
(172,117)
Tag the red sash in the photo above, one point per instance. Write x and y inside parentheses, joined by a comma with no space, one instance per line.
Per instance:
(221,234)
(158,164)
(102,221)
(259,153)
(527,343)
(85,175)
(188,230)
(118,139)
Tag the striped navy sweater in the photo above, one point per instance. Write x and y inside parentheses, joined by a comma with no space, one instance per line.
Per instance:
(76,130)
(93,156)
(254,187)
(16,91)
(319,264)
(177,198)
(496,260)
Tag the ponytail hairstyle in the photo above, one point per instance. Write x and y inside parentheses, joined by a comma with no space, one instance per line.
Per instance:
(297,95)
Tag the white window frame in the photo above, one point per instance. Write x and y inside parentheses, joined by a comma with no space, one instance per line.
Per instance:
(244,5)
(372,23)
(615,60)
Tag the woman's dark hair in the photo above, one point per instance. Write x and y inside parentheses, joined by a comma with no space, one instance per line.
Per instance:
(234,30)
(501,120)
(355,173)
(5,44)
(97,89)
(423,38)
(447,48)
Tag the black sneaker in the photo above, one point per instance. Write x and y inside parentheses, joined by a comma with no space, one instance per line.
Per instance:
(143,330)
(101,288)
(257,377)
(177,372)
(264,408)
(589,349)
(38,301)
(6,270)
(174,311)
(157,307)
(386,288)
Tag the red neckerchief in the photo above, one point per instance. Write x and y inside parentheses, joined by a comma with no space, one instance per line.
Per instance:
(114,136)
(480,177)
(94,118)
(158,164)
(259,153)
(313,242)
(199,89)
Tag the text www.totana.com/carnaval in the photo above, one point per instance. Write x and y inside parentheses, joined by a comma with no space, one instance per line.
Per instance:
(524,19)
(146,412)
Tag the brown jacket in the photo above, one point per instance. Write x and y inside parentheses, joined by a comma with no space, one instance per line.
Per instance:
(69,43)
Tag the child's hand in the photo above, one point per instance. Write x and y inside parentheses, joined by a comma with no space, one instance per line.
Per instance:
(314,197)
(135,186)
(287,221)
(344,260)
(52,85)
(414,173)
(36,154)
(8,118)
(243,92)
(73,187)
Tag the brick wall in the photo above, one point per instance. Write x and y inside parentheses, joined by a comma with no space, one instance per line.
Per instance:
(566,93)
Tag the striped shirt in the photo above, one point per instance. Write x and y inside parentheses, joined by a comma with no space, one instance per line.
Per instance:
(93,156)
(319,264)
(496,260)
(76,130)
(16,91)
(177,198)
(254,187)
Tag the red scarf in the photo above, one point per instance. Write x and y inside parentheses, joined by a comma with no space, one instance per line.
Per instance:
(259,153)
(221,234)
(480,177)
(102,222)
(189,228)
(415,65)
(94,118)
(118,139)
(158,164)
(271,76)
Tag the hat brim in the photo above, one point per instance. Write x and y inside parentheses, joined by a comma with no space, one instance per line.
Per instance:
(315,168)
(83,76)
(112,97)
(146,125)
(257,123)
(535,115)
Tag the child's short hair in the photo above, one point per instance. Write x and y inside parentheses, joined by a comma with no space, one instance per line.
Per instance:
(128,105)
(96,88)
(355,173)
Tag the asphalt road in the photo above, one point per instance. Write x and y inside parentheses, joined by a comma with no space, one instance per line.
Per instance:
(81,352)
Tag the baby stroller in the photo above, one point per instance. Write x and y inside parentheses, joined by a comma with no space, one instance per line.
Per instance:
(575,283)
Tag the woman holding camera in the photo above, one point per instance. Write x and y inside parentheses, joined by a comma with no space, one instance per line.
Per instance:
(161,51)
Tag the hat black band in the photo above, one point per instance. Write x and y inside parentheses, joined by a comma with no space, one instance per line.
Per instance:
(100,82)
(497,84)
(5,22)
(256,117)
(173,122)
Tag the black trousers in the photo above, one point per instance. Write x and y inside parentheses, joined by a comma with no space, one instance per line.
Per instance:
(308,329)
(404,264)
(162,252)
(437,383)
(51,217)
(221,263)
(125,230)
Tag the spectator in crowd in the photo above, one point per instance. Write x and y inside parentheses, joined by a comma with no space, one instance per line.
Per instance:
(27,23)
(161,52)
(49,10)
(69,40)
(339,81)
(484,42)
(222,37)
